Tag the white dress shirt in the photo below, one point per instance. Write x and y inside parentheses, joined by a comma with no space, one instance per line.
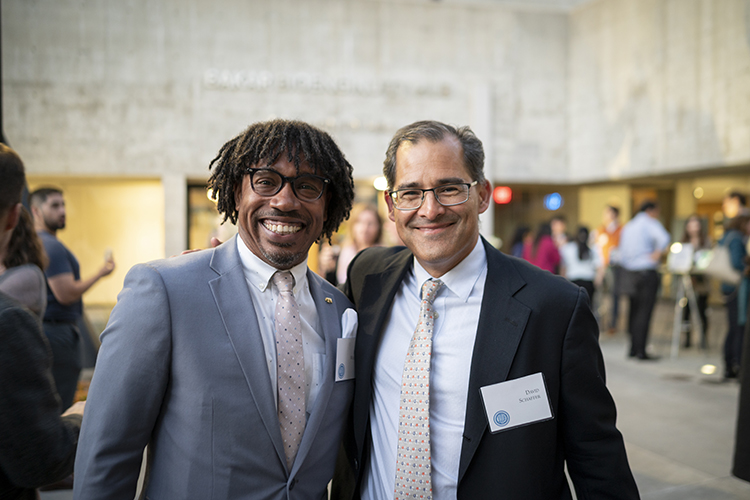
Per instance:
(258,276)
(457,306)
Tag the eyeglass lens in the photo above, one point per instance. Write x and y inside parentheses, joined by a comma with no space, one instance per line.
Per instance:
(306,187)
(450,194)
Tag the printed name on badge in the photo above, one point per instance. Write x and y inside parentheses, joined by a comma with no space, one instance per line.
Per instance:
(516,402)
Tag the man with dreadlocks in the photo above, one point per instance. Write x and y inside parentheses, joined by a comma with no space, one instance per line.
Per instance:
(229,363)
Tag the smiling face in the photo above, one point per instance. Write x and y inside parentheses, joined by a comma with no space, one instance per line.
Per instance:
(279,229)
(440,237)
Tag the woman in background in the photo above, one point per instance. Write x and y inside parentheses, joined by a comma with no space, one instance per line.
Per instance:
(365,230)
(543,252)
(519,238)
(694,234)
(21,266)
(581,264)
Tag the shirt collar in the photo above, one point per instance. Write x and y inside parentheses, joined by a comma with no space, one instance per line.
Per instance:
(258,273)
(461,279)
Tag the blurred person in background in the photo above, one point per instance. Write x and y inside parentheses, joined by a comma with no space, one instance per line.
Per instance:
(365,231)
(694,234)
(643,242)
(741,462)
(607,238)
(559,227)
(37,444)
(542,252)
(734,204)
(22,266)
(581,264)
(522,234)
(65,289)
(734,241)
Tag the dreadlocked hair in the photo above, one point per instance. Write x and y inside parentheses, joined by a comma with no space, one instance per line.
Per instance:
(262,144)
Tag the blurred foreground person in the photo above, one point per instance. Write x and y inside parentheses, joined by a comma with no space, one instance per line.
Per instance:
(22,267)
(643,241)
(511,386)
(225,362)
(37,444)
(65,289)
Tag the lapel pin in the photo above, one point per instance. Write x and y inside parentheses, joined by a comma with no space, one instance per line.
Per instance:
(329,300)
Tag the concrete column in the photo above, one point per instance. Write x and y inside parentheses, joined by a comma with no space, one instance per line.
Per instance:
(480,120)
(175,213)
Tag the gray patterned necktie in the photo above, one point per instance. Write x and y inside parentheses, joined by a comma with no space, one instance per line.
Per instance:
(413,467)
(290,366)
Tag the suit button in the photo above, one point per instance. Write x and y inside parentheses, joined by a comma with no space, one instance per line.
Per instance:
(291,486)
(356,463)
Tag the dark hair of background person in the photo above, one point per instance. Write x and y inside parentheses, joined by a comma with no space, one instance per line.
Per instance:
(39,196)
(518,236)
(262,144)
(702,236)
(435,132)
(740,196)
(615,210)
(648,205)
(582,240)
(738,223)
(561,218)
(14,177)
(24,246)
(544,230)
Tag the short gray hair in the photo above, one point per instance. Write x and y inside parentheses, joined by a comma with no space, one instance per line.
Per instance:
(435,131)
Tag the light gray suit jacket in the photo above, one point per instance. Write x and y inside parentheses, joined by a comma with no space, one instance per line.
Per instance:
(182,369)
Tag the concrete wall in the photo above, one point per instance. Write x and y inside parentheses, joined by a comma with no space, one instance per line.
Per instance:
(658,86)
(155,87)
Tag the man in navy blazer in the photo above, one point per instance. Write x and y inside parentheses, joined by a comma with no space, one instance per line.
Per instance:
(188,362)
(497,319)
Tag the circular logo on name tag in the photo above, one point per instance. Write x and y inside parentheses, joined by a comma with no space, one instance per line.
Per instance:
(342,370)
(501,418)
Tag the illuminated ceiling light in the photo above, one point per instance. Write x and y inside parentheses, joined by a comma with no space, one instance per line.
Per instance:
(502,195)
(553,201)
(698,193)
(380,183)
(676,247)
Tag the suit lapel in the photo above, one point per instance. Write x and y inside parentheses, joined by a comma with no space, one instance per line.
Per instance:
(502,321)
(331,324)
(235,306)
(378,292)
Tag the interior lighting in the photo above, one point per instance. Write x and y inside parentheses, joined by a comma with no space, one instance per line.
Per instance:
(676,247)
(210,195)
(708,369)
(502,195)
(380,183)
(698,193)
(553,201)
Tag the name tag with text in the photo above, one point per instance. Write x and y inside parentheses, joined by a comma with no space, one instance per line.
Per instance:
(516,402)
(344,359)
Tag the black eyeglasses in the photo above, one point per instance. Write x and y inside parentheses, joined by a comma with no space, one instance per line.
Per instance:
(268,182)
(447,195)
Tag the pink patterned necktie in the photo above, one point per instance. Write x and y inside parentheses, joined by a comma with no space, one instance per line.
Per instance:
(290,366)
(413,468)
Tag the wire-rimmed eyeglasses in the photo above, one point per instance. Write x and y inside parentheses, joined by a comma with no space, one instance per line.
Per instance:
(447,195)
(268,182)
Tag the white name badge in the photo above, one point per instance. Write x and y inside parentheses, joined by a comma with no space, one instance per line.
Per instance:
(517,402)
(344,359)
